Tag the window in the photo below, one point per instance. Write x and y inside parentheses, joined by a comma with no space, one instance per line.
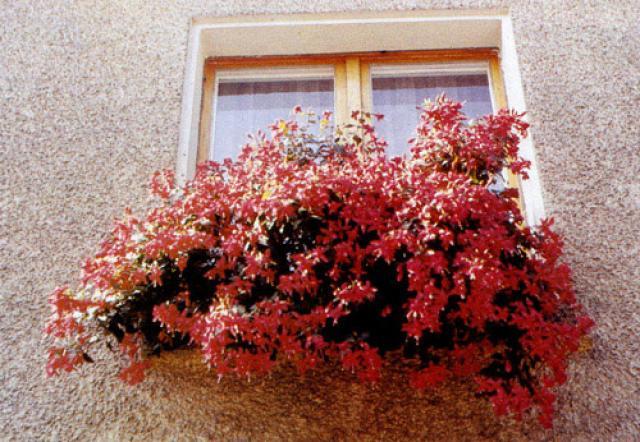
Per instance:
(247,100)
(398,91)
(383,60)
(244,95)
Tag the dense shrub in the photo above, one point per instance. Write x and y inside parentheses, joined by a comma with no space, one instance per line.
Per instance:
(306,252)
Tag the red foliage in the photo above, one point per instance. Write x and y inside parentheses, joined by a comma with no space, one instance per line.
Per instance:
(304,254)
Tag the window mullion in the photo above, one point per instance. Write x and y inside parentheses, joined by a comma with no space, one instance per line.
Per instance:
(354,98)
(340,87)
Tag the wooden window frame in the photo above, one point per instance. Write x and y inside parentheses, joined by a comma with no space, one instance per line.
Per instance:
(352,80)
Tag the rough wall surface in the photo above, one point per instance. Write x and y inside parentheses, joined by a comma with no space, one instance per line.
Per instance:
(90,103)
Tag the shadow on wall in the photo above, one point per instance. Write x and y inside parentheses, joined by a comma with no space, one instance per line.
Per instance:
(326,404)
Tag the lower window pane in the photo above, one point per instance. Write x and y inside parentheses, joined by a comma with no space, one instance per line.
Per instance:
(244,107)
(398,96)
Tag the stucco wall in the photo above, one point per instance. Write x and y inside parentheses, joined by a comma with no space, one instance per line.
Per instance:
(90,101)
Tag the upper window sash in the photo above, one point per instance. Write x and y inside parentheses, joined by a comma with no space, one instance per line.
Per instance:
(398,90)
(284,78)
(352,78)
(381,70)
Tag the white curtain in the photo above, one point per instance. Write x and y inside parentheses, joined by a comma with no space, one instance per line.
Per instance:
(244,107)
(397,97)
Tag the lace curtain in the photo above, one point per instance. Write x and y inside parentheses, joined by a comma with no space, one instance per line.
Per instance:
(398,97)
(244,107)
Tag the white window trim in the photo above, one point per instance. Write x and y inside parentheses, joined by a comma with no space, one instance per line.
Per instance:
(278,73)
(351,32)
(431,69)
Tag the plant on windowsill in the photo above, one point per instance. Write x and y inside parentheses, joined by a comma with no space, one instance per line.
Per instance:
(305,252)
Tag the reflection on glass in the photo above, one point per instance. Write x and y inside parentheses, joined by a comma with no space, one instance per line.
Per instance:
(397,97)
(244,107)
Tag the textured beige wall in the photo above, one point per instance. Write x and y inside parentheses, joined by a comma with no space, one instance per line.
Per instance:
(90,102)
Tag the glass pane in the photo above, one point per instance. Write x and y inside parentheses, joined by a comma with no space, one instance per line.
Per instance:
(244,107)
(398,96)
